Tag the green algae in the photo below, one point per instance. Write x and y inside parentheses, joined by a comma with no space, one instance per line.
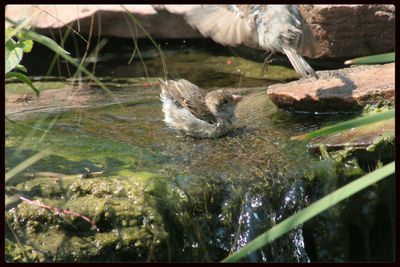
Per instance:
(347,228)
(235,71)
(128,223)
(71,153)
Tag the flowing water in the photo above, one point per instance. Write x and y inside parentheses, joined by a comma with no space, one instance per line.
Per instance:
(234,187)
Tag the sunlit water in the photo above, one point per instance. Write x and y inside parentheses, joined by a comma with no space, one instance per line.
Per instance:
(261,170)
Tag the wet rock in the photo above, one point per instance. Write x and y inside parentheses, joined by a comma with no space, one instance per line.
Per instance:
(341,31)
(124,210)
(347,31)
(352,230)
(361,138)
(347,89)
(140,216)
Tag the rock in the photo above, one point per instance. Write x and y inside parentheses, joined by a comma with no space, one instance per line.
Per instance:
(349,155)
(341,31)
(347,31)
(348,89)
(56,16)
(128,224)
(367,138)
(108,20)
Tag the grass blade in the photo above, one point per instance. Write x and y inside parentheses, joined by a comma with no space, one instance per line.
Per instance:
(25,164)
(375,59)
(162,57)
(385,115)
(49,43)
(23,78)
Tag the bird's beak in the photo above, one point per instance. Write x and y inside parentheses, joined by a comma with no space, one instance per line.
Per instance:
(237,98)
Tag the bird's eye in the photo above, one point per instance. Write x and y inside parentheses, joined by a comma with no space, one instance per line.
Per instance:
(225,101)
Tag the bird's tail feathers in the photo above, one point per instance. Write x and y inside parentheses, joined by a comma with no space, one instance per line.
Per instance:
(162,82)
(164,93)
(299,63)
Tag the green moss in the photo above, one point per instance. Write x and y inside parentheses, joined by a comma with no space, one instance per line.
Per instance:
(24,253)
(123,209)
(72,154)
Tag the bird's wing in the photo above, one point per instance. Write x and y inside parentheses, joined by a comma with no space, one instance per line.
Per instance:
(307,43)
(226,24)
(189,96)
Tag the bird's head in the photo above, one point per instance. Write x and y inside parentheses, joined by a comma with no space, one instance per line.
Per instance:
(222,104)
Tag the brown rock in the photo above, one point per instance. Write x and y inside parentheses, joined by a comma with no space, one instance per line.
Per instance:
(56,16)
(338,90)
(108,20)
(360,138)
(348,31)
(341,31)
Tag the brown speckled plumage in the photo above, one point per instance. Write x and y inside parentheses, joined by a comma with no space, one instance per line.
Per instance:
(188,108)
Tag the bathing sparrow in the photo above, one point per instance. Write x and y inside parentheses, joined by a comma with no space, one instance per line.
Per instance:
(190,109)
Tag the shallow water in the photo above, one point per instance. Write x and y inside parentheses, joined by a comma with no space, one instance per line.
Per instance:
(255,162)
(259,170)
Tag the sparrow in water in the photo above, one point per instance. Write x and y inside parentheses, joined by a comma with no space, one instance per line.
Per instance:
(273,28)
(190,109)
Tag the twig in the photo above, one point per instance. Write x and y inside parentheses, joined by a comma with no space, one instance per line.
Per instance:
(25,98)
(58,211)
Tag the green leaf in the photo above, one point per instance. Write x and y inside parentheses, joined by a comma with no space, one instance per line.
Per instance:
(11,44)
(17,27)
(49,43)
(375,59)
(10,32)
(13,55)
(21,36)
(375,117)
(311,211)
(27,45)
(21,68)
(46,41)
(23,78)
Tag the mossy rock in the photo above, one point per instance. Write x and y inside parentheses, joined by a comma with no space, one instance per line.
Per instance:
(369,143)
(123,208)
